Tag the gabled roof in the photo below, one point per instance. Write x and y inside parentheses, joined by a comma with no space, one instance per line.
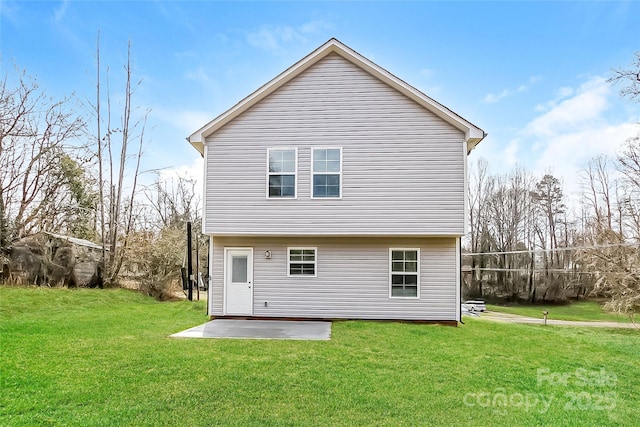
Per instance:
(473,134)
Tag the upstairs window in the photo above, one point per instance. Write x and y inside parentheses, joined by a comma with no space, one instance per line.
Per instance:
(282,169)
(302,262)
(327,173)
(404,273)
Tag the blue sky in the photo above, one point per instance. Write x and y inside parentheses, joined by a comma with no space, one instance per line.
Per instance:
(531,74)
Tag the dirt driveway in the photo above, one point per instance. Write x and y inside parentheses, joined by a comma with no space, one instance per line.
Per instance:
(514,318)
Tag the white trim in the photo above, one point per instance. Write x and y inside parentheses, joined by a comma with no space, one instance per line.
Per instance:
(331,234)
(295,173)
(418,272)
(473,134)
(224,281)
(315,261)
(224,276)
(324,173)
(204,189)
(465,190)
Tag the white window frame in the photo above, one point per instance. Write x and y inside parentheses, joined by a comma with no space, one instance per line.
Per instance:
(391,273)
(295,174)
(315,261)
(313,173)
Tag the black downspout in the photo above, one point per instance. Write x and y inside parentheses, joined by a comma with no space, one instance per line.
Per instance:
(209,271)
(189,263)
(460,275)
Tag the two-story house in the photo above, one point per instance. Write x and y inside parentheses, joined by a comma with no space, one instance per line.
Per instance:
(336,190)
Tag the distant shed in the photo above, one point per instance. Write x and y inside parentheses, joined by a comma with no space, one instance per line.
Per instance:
(54,260)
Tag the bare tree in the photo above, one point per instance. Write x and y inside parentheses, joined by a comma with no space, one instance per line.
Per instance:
(547,215)
(548,196)
(117,190)
(39,167)
(629,166)
(518,225)
(477,220)
(615,263)
(159,246)
(173,201)
(630,76)
(614,257)
(599,190)
(507,209)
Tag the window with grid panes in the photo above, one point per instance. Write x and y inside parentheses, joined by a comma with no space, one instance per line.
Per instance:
(282,170)
(302,261)
(404,271)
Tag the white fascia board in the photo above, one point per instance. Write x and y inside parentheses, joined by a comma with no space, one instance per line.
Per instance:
(197,144)
(465,153)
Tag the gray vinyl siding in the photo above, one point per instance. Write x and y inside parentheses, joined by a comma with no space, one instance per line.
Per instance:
(352,278)
(403,167)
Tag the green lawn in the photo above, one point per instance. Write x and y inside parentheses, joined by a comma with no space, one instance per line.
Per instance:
(97,357)
(585,311)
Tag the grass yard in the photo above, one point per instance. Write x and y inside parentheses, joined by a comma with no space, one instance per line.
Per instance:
(586,311)
(97,357)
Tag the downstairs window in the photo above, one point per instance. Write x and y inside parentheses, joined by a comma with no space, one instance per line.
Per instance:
(404,268)
(301,262)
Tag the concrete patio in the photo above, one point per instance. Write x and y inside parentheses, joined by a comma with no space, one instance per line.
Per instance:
(260,329)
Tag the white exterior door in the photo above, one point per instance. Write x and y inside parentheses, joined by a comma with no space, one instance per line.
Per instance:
(238,281)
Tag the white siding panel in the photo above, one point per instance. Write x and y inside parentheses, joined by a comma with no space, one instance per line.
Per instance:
(403,167)
(352,278)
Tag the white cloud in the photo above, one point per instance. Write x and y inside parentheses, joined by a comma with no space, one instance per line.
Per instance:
(316,26)
(573,150)
(587,104)
(199,74)
(560,94)
(169,177)
(564,92)
(274,38)
(426,72)
(271,38)
(574,129)
(193,172)
(10,12)
(492,98)
(510,154)
(535,79)
(60,12)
